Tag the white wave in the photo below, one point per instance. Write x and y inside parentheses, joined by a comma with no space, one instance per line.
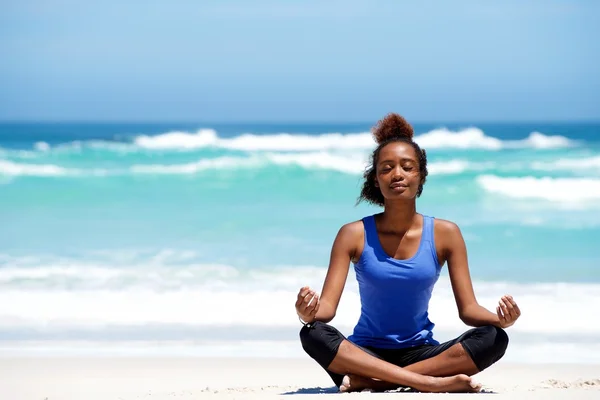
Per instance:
(353,164)
(567,190)
(250,142)
(58,298)
(41,146)
(79,146)
(538,140)
(12,169)
(475,138)
(326,161)
(469,138)
(178,140)
(219,163)
(568,164)
(442,138)
(18,153)
(450,167)
(15,169)
(349,164)
(298,142)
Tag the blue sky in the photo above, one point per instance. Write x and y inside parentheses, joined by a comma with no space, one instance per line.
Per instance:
(299,60)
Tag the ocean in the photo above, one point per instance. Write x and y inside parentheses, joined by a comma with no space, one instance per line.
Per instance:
(193,239)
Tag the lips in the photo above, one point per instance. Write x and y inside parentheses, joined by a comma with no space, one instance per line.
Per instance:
(398,185)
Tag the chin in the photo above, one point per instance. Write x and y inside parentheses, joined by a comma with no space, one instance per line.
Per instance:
(403,197)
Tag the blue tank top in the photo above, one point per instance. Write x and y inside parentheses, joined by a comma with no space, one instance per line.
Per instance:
(394,293)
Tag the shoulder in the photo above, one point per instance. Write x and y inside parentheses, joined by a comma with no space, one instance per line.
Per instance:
(354,229)
(350,239)
(446,233)
(445,227)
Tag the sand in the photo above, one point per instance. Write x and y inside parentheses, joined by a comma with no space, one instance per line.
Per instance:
(124,378)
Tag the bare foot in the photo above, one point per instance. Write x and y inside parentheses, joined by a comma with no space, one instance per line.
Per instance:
(356,383)
(456,383)
(353,383)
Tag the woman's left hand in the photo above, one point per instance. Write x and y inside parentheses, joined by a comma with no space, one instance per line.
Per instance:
(508,311)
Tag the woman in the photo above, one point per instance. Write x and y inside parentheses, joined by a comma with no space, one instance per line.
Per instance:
(397,256)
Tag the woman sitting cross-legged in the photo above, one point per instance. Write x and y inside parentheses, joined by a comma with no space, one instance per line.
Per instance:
(397,256)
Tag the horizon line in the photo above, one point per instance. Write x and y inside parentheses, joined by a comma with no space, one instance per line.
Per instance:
(291,121)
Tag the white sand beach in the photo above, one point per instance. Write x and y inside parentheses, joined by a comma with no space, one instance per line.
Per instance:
(103,378)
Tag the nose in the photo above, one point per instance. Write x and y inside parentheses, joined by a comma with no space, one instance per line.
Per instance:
(398,174)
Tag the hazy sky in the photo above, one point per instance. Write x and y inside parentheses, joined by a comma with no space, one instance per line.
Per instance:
(299,60)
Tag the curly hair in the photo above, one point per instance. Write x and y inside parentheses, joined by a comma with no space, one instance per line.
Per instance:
(392,128)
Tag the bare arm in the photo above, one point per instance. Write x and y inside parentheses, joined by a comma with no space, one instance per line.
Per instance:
(469,310)
(308,305)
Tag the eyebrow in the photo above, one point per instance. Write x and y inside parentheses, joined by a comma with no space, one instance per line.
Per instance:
(401,160)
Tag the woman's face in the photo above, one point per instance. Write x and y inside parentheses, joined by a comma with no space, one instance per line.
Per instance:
(397,171)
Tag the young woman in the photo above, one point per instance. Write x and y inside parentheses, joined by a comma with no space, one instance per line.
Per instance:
(397,256)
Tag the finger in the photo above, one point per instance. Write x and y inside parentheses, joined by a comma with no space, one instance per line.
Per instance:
(303,291)
(511,310)
(515,306)
(500,316)
(308,298)
(314,306)
(310,303)
(311,307)
(504,309)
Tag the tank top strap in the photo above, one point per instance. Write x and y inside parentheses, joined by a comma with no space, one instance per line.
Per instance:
(370,231)
(429,236)
(427,228)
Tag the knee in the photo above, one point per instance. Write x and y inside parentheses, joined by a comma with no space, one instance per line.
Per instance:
(485,345)
(492,346)
(311,336)
(319,338)
(498,339)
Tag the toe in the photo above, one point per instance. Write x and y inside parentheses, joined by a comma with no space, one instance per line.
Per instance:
(475,385)
(345,386)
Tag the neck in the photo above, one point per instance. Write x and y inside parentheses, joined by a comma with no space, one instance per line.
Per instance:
(399,215)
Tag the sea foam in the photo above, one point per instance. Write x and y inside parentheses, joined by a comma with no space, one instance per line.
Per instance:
(71,297)
(18,169)
(469,138)
(566,164)
(566,190)
(14,169)
(353,163)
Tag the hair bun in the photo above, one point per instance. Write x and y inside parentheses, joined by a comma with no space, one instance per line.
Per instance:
(392,126)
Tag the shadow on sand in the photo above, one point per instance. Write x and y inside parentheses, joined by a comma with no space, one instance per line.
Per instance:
(334,389)
(315,390)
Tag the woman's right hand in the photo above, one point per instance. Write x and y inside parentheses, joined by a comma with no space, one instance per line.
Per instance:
(307,304)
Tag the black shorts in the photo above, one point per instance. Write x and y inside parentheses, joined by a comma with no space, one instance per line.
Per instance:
(485,345)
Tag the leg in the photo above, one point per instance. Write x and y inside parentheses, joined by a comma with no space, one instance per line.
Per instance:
(444,364)
(355,362)
(321,342)
(468,354)
(337,355)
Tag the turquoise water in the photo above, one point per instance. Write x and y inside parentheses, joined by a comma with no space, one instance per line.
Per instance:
(105,227)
